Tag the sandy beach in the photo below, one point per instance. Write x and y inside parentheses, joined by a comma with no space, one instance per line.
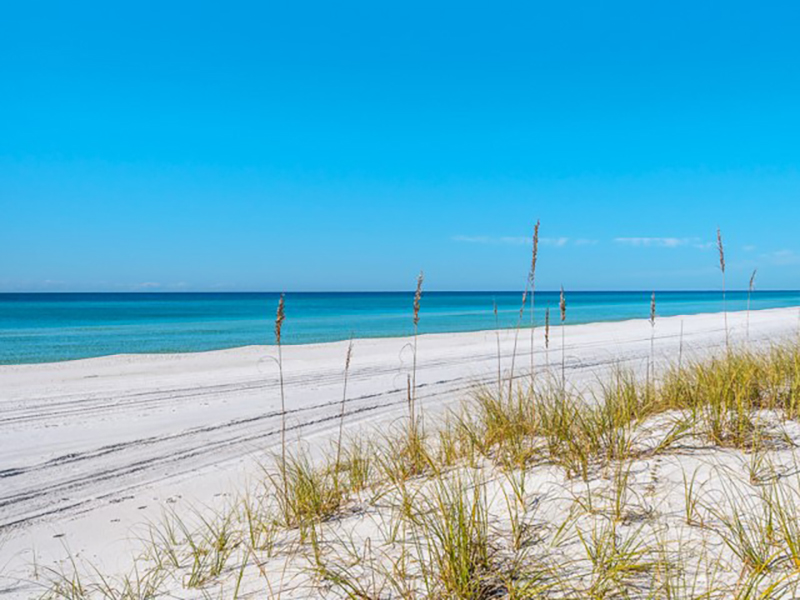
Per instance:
(92,449)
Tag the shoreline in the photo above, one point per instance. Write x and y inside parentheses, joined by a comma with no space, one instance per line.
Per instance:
(249,347)
(95,447)
(41,332)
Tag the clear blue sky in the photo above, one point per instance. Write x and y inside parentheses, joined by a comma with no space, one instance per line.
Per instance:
(342,146)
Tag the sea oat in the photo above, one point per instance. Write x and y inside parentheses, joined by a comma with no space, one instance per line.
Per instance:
(750,289)
(417,298)
(280,317)
(532,273)
(532,284)
(499,362)
(653,309)
(721,250)
(344,400)
(516,340)
(547,338)
(413,381)
(547,328)
(652,336)
(562,305)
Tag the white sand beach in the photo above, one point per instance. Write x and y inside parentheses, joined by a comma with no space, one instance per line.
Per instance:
(93,449)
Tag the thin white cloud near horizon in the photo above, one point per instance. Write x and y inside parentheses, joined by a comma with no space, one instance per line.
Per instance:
(782,258)
(558,242)
(663,242)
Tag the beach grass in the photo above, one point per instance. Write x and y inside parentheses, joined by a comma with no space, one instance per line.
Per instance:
(534,494)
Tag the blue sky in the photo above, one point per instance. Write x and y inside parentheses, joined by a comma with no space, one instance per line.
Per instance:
(344,146)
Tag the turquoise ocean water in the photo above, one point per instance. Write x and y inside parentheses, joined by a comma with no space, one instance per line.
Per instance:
(53,327)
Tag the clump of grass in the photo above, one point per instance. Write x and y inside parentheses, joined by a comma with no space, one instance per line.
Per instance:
(724,393)
(691,500)
(784,503)
(67,583)
(140,584)
(451,531)
(259,524)
(619,560)
(309,493)
(356,468)
(504,427)
(210,546)
(748,528)
(569,430)
(405,455)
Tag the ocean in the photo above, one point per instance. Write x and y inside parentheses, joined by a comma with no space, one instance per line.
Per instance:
(37,328)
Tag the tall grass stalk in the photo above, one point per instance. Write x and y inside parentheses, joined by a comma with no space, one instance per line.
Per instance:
(562,305)
(547,337)
(499,360)
(532,283)
(280,317)
(516,340)
(750,288)
(412,394)
(721,250)
(651,370)
(344,400)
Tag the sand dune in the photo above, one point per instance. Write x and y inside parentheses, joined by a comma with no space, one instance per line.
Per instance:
(92,448)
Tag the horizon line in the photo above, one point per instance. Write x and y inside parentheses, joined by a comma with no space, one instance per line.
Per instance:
(408,291)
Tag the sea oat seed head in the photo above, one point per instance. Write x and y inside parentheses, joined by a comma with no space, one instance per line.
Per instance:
(653,309)
(279,319)
(721,249)
(753,279)
(547,328)
(418,297)
(562,304)
(532,274)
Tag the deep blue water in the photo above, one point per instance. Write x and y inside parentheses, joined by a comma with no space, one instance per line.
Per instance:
(53,327)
